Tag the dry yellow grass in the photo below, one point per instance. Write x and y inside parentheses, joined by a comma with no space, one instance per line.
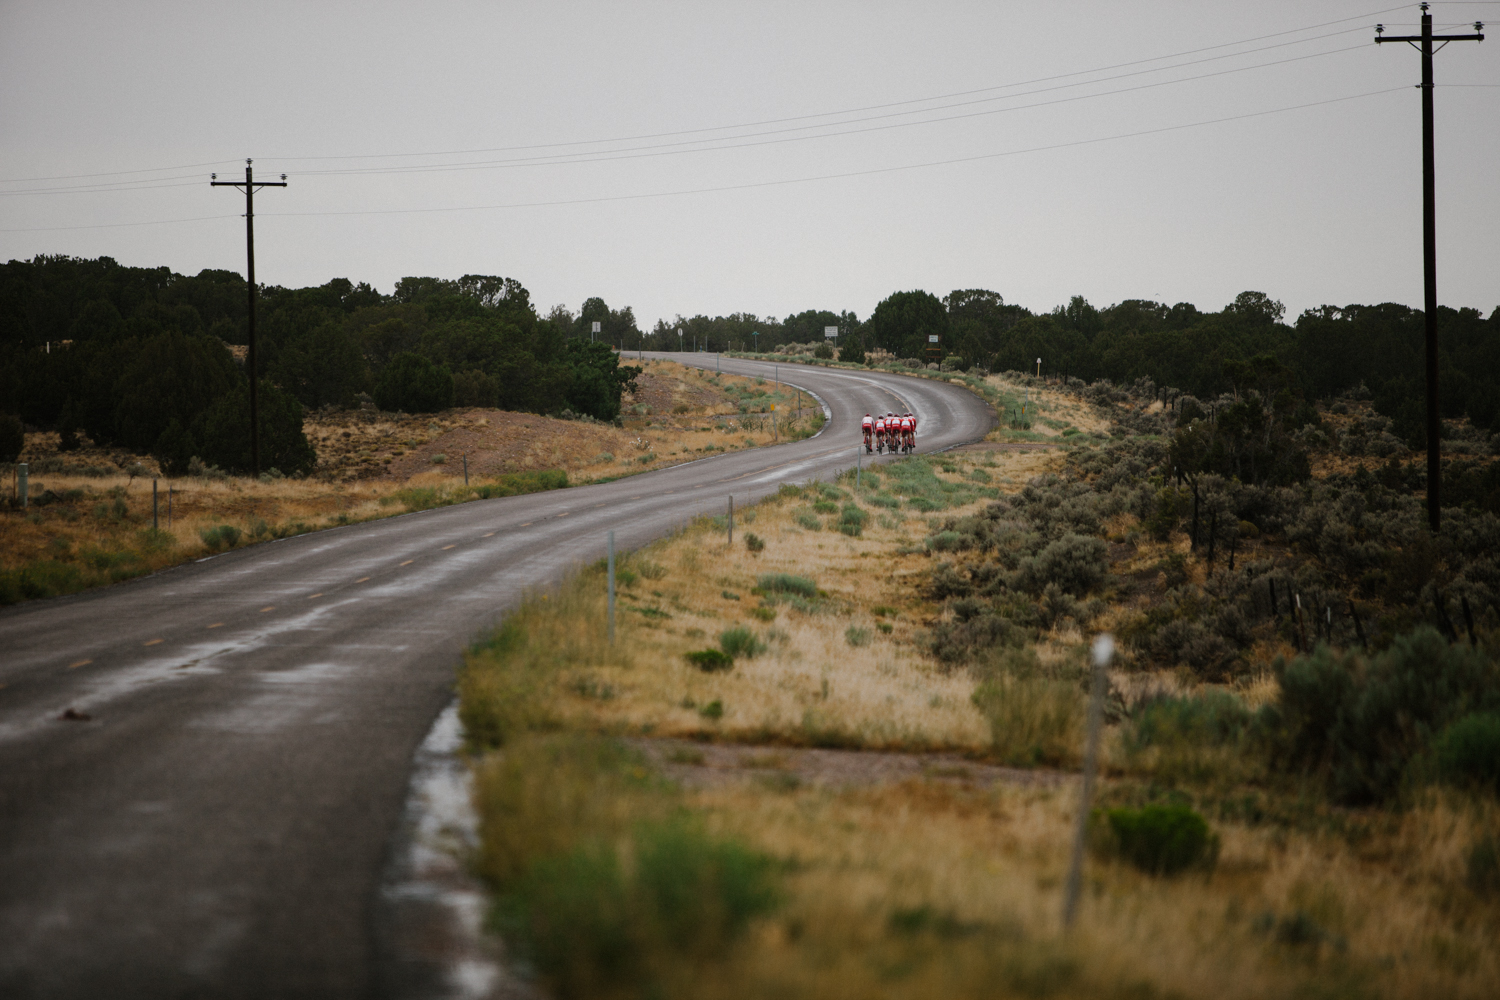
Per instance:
(813,682)
(948,887)
(990,863)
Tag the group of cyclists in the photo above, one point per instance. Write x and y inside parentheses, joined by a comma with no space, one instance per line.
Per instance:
(890,432)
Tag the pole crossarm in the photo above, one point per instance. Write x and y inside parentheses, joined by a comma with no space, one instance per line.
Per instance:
(1417,39)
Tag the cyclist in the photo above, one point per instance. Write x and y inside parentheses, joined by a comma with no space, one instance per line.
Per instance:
(868,426)
(880,434)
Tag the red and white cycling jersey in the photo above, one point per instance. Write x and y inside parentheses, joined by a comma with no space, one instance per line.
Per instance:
(868,423)
(880,426)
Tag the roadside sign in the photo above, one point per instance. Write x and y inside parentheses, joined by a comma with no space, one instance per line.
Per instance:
(932,338)
(830,331)
(596,326)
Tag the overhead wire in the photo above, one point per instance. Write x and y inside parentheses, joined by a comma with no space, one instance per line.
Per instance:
(871,107)
(831,129)
(736,142)
(777,121)
(847,175)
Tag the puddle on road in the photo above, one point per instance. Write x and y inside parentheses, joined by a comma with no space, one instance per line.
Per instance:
(433,910)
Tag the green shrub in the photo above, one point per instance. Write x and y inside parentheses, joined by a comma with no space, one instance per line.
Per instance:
(1033,720)
(809,521)
(856,636)
(852,520)
(651,570)
(518,483)
(754,542)
(1075,563)
(221,536)
(713,710)
(1214,718)
(740,642)
(46,578)
(1468,752)
(787,583)
(600,903)
(12,438)
(1161,839)
(709,660)
(1483,875)
(764,614)
(826,507)
(1361,722)
(949,541)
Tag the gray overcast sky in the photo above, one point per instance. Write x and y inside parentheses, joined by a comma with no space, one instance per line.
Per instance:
(1316,205)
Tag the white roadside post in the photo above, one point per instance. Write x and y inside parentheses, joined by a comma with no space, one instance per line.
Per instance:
(611,587)
(1104,651)
(594,331)
(731,520)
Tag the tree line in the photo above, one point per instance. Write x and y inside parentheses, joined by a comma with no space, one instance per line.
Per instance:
(140,357)
(1325,352)
(136,357)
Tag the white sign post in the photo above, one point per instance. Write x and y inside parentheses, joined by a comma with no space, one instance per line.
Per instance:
(594,332)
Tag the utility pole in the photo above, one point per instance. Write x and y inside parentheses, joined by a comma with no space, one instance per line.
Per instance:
(1423,43)
(249,186)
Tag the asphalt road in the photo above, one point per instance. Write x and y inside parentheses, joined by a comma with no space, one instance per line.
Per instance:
(219,824)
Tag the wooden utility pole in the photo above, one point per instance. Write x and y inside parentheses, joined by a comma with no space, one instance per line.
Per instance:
(248,186)
(1423,43)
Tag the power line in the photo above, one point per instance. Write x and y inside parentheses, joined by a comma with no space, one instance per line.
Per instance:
(775,121)
(850,174)
(735,142)
(760,184)
(741,141)
(873,107)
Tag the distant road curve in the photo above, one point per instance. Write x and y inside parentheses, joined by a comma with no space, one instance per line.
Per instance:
(219,825)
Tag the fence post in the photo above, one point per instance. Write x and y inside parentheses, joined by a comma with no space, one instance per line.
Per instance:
(1104,649)
(169,506)
(859,465)
(731,520)
(611,587)
(466,468)
(22,486)
(153,504)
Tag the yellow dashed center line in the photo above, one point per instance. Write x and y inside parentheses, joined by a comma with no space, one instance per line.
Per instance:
(268,607)
(80,663)
(563,514)
(152,642)
(362,579)
(217,625)
(528,524)
(408,562)
(447,547)
(635,498)
(486,536)
(311,596)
